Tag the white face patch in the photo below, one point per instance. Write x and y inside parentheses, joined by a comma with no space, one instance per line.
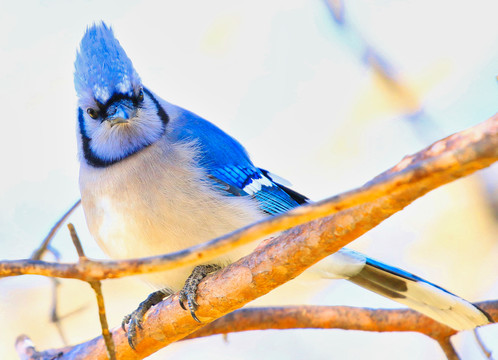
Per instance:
(108,142)
(124,86)
(101,93)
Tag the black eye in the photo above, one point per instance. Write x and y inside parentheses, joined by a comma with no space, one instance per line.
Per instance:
(140,96)
(93,113)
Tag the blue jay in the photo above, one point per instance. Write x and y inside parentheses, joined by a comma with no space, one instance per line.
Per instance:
(156,178)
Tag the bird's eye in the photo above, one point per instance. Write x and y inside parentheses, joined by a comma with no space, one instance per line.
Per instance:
(140,96)
(93,113)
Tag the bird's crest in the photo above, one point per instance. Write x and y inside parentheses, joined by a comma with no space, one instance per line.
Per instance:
(102,67)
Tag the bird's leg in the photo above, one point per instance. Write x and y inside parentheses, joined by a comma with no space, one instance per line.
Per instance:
(189,291)
(134,320)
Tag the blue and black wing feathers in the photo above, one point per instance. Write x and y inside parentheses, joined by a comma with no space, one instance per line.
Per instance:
(297,197)
(229,168)
(250,181)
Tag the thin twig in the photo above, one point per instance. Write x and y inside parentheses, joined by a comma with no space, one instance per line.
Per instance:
(336,8)
(55,318)
(109,343)
(76,242)
(97,287)
(54,315)
(483,348)
(448,349)
(38,253)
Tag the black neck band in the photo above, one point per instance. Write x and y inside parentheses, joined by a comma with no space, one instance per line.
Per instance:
(90,156)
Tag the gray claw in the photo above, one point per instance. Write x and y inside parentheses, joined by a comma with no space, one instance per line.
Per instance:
(134,320)
(189,291)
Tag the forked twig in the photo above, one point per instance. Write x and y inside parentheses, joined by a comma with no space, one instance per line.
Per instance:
(97,287)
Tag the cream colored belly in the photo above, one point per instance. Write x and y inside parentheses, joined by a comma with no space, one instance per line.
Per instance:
(133,210)
(132,234)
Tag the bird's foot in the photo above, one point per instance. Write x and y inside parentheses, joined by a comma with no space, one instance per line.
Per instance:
(134,320)
(189,291)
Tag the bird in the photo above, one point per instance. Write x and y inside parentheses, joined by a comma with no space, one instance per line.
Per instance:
(156,178)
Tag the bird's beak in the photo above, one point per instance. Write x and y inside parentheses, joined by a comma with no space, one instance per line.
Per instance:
(120,116)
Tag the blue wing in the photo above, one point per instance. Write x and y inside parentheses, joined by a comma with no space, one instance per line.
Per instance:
(251,181)
(230,168)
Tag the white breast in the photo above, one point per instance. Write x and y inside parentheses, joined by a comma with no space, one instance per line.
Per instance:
(157,202)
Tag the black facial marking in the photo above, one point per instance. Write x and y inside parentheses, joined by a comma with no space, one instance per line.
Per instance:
(115,98)
(160,111)
(91,158)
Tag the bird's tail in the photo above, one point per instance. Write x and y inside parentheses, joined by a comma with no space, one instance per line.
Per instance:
(420,295)
(405,288)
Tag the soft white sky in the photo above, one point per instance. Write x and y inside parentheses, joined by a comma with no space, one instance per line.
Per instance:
(291,86)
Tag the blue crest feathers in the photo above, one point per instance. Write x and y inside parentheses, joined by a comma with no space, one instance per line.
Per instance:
(102,67)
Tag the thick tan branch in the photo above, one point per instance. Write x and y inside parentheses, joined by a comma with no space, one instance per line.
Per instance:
(456,156)
(285,257)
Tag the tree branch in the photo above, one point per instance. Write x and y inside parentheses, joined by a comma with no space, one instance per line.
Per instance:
(456,156)
(285,257)
(332,317)
(315,317)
